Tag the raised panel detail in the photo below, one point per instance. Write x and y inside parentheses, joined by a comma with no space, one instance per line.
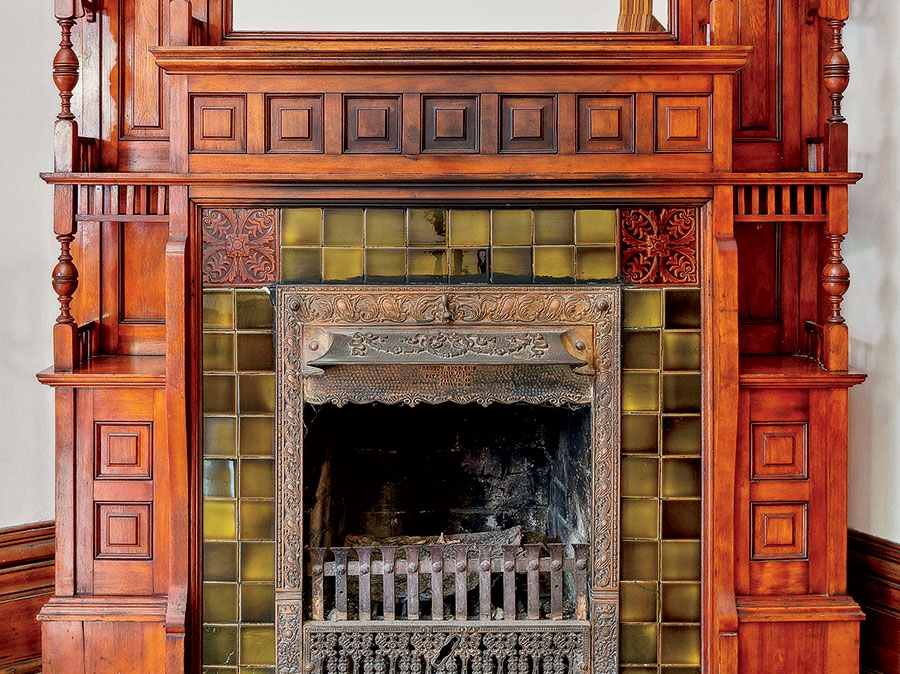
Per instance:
(450,124)
(219,124)
(295,124)
(779,452)
(528,124)
(123,531)
(372,124)
(683,124)
(779,531)
(758,89)
(123,451)
(605,124)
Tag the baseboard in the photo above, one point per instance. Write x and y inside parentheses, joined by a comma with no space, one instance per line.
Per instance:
(873,577)
(26,583)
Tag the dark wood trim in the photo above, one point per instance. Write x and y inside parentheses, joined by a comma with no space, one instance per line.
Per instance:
(26,582)
(873,576)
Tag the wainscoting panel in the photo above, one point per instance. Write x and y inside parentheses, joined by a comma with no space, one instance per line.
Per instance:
(873,578)
(26,582)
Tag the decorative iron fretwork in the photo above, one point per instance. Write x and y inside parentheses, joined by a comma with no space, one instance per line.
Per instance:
(483,647)
(605,637)
(659,246)
(239,246)
(304,311)
(451,345)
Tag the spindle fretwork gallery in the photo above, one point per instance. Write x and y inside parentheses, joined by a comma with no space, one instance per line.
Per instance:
(528,180)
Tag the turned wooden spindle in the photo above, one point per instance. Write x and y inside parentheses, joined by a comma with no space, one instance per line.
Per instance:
(836,71)
(835,279)
(65,68)
(65,280)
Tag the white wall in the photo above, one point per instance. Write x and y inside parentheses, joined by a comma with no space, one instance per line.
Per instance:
(27,110)
(27,305)
(872,251)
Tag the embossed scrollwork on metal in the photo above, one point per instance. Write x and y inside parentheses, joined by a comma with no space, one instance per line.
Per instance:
(239,246)
(659,246)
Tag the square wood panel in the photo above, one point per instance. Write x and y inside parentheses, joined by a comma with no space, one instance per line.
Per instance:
(779,531)
(123,531)
(450,124)
(528,124)
(123,451)
(295,124)
(779,452)
(219,124)
(683,124)
(372,124)
(605,124)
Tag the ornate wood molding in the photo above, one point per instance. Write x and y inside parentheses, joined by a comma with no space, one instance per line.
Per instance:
(240,246)
(305,311)
(659,246)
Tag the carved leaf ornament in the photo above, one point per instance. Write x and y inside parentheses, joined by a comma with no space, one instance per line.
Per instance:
(659,246)
(239,246)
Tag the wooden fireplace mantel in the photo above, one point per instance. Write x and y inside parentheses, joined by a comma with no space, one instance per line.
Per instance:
(165,112)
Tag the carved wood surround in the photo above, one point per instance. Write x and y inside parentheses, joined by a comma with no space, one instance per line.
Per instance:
(722,149)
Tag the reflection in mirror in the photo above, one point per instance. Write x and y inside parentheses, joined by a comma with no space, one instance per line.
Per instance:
(472,16)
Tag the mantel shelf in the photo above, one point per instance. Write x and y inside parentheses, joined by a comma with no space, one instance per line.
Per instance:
(105,371)
(792,372)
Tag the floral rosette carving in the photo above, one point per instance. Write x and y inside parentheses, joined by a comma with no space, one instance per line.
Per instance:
(659,246)
(239,246)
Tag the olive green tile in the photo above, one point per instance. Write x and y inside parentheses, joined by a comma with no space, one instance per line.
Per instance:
(220,561)
(554,262)
(255,352)
(218,394)
(219,520)
(218,478)
(681,435)
(681,478)
(257,521)
(682,309)
(640,477)
(681,351)
(342,264)
(426,227)
(257,603)
(596,264)
(640,518)
(638,602)
(640,433)
(255,310)
(642,308)
(257,563)
(596,226)
(218,309)
(680,560)
(681,519)
(511,228)
(427,265)
(680,670)
(554,227)
(637,643)
(301,265)
(681,393)
(257,393)
(511,265)
(385,227)
(469,265)
(220,603)
(219,645)
(257,436)
(219,670)
(640,560)
(257,478)
(470,228)
(386,264)
(640,391)
(218,352)
(635,670)
(343,227)
(680,644)
(681,602)
(218,436)
(301,227)
(261,670)
(257,645)
(640,350)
